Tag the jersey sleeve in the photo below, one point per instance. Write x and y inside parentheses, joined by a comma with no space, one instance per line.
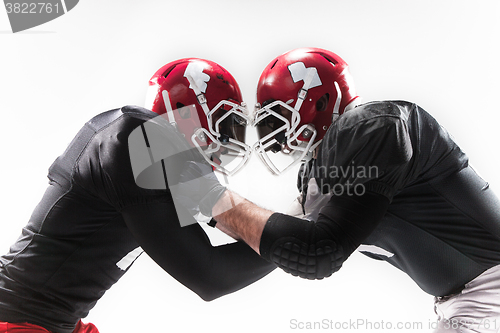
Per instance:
(315,250)
(132,161)
(187,255)
(365,151)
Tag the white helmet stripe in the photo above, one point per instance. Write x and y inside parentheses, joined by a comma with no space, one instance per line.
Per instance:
(311,73)
(298,71)
(195,69)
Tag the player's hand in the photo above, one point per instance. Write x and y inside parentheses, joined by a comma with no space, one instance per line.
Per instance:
(198,189)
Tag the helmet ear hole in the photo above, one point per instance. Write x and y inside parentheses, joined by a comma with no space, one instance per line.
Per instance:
(322,102)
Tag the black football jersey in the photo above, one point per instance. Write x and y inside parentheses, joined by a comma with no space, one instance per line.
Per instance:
(94,221)
(442,226)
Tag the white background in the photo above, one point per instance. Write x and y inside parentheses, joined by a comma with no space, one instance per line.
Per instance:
(442,55)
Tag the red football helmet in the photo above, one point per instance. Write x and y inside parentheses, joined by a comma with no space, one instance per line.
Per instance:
(203,101)
(299,95)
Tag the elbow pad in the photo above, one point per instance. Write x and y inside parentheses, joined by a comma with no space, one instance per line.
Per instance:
(315,250)
(299,248)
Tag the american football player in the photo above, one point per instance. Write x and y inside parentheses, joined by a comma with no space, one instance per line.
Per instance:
(103,208)
(382,177)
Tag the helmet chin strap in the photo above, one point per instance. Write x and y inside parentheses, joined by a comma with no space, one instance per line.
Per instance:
(168,107)
(307,82)
(203,103)
(336,107)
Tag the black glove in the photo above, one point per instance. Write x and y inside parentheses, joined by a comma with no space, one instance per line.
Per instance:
(198,189)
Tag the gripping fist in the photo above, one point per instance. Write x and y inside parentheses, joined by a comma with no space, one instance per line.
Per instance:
(198,189)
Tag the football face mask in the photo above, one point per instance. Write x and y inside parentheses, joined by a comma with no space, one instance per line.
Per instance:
(277,130)
(299,94)
(223,144)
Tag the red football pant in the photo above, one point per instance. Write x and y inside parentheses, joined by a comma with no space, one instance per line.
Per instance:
(30,328)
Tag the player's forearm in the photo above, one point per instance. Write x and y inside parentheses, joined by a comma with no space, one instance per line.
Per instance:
(232,267)
(228,232)
(241,218)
